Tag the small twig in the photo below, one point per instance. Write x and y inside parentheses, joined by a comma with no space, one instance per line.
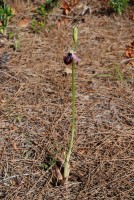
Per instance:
(61,15)
(31,190)
(12,77)
(126,60)
(15,176)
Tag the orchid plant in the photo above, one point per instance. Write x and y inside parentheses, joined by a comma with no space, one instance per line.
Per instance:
(71,58)
(6,13)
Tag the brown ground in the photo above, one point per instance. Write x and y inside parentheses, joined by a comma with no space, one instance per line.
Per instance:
(36,110)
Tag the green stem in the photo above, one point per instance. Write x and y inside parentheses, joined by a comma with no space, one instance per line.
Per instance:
(73,113)
(66,165)
(67,159)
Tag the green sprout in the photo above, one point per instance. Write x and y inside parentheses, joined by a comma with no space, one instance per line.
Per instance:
(16,43)
(47,165)
(116,74)
(5,15)
(50,4)
(41,10)
(70,58)
(37,26)
(14,40)
(11,35)
(119,5)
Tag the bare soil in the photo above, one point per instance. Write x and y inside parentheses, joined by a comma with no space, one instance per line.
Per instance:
(35,109)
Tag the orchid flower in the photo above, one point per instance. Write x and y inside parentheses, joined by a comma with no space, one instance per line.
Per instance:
(70,57)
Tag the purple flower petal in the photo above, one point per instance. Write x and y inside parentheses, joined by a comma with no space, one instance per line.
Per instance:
(68,59)
(76,59)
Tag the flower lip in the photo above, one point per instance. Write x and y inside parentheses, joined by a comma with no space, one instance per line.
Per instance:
(70,57)
(75,58)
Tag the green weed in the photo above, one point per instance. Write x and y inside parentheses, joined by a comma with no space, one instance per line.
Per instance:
(50,4)
(118,73)
(48,164)
(37,26)
(115,74)
(119,5)
(39,21)
(14,40)
(5,16)
(41,10)
(11,35)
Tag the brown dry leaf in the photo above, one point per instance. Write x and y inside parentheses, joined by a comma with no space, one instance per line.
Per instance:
(57,173)
(24,23)
(131,17)
(75,1)
(129,53)
(67,7)
(15,146)
(132,63)
(57,176)
(131,45)
(64,4)
(68,70)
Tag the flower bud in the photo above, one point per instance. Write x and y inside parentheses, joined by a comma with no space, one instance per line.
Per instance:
(75,36)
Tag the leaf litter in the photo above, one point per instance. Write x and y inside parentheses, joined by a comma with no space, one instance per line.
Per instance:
(36,100)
